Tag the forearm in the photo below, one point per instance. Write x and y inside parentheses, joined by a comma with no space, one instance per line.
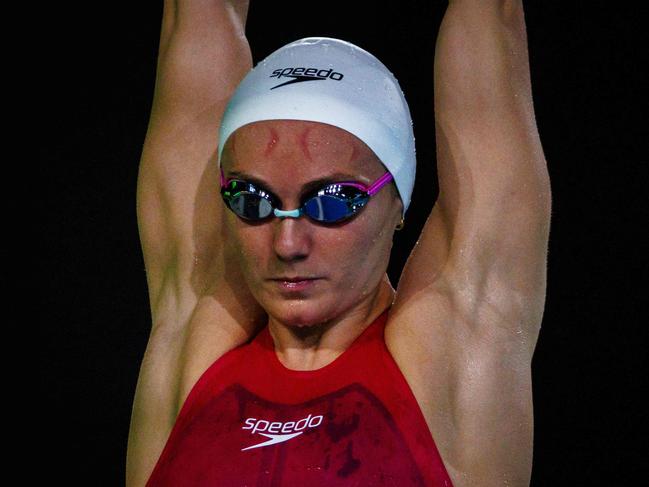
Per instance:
(488,142)
(481,59)
(203,54)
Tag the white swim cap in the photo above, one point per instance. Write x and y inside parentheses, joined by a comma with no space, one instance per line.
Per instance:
(320,79)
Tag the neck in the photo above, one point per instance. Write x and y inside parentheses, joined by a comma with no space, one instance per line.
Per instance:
(315,346)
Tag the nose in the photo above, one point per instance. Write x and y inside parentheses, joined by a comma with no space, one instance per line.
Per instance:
(292,238)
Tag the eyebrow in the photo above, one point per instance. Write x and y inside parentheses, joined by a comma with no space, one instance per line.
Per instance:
(336,177)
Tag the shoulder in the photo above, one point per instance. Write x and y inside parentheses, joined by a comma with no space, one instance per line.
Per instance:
(220,374)
(471,378)
(209,355)
(178,361)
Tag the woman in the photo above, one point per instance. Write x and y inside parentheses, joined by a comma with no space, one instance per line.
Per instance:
(280,354)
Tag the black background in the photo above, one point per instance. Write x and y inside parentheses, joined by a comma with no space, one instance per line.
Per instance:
(590,360)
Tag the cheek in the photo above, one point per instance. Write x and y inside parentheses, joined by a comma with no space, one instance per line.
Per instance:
(360,255)
(247,245)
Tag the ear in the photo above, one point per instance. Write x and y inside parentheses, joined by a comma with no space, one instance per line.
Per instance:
(398,207)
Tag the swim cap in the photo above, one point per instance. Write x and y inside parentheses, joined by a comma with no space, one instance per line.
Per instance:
(320,79)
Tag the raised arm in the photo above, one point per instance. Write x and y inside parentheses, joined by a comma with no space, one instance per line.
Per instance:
(491,220)
(471,297)
(203,55)
(199,307)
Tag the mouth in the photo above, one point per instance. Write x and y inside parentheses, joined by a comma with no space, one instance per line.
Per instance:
(294,279)
(297,283)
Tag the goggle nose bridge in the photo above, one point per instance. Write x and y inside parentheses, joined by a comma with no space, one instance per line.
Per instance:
(287,213)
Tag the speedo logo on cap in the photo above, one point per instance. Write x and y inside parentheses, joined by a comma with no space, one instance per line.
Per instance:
(299,75)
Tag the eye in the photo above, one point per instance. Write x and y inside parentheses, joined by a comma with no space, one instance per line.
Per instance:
(338,190)
(237,186)
(251,206)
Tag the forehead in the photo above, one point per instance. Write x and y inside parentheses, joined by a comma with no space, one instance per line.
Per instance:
(299,147)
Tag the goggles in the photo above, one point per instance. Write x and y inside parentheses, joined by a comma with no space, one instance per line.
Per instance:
(332,203)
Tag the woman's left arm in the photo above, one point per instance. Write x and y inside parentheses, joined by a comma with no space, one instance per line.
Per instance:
(470,300)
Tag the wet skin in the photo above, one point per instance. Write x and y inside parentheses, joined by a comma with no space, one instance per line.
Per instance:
(312,322)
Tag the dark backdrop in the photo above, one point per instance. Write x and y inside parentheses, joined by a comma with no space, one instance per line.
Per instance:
(588,366)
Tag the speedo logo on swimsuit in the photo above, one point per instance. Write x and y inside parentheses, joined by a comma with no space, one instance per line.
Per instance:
(299,75)
(279,432)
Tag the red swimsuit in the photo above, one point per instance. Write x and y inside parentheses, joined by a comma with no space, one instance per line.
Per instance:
(250,421)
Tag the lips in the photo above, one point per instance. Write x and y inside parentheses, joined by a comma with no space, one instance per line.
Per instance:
(295,284)
(294,279)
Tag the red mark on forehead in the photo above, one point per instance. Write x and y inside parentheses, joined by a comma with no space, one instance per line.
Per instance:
(272,142)
(355,153)
(302,138)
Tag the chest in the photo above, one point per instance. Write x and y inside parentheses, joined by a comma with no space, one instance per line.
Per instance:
(251,421)
(238,437)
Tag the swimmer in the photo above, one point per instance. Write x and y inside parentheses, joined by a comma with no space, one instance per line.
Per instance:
(280,353)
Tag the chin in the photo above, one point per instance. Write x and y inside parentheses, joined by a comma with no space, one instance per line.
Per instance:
(299,313)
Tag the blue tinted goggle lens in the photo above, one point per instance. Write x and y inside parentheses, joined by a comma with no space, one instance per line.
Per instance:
(329,208)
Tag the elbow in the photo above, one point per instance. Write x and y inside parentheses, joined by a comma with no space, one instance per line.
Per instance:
(511,11)
(507,10)
(544,192)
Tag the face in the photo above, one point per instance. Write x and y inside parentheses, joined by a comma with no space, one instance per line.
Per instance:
(346,261)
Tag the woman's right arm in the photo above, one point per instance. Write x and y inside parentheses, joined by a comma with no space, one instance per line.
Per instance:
(200,306)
